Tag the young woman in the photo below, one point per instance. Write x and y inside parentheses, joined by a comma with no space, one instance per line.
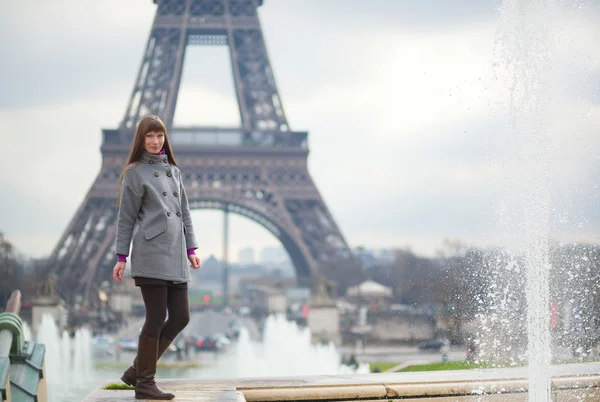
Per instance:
(152,200)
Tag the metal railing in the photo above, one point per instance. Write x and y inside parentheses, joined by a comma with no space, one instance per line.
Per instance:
(21,362)
(11,340)
(11,327)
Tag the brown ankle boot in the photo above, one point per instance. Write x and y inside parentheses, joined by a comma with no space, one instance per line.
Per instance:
(129,376)
(145,386)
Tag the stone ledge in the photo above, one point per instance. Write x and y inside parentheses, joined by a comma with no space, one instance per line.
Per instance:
(329,392)
(569,383)
(398,390)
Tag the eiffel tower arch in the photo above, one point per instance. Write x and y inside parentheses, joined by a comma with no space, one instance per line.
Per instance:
(258,170)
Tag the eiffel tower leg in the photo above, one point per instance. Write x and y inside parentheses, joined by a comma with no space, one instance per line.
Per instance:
(82,258)
(157,84)
(321,237)
(260,106)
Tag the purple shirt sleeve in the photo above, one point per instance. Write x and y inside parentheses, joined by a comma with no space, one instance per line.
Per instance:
(191,251)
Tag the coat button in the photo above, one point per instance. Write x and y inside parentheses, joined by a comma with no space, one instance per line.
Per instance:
(164,193)
(176,194)
(168,214)
(178,213)
(165,160)
(151,162)
(156,174)
(169,174)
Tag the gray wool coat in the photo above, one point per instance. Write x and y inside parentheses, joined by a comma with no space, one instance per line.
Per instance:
(154,211)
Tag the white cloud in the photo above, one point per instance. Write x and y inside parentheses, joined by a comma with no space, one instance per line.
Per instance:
(56,148)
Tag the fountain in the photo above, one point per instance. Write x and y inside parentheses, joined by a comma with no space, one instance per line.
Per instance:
(68,360)
(48,335)
(526,35)
(287,350)
(527,41)
(27,331)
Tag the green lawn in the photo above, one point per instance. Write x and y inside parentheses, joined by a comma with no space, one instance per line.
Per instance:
(438,366)
(115,387)
(464,365)
(459,365)
(382,366)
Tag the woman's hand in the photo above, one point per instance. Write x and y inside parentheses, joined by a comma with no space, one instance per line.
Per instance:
(118,271)
(194,260)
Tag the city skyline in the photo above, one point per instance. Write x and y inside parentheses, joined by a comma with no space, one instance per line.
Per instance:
(402,109)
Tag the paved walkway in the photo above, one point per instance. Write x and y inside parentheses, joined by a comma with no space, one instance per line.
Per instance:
(570,382)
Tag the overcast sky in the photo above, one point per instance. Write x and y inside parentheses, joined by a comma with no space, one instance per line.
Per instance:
(408,130)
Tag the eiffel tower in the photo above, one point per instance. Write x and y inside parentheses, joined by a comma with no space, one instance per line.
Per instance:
(258,170)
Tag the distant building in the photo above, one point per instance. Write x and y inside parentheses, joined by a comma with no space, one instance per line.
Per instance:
(246,256)
(273,255)
(370,293)
(238,279)
(265,300)
(298,295)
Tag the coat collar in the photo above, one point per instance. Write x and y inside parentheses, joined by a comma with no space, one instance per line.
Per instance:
(153,159)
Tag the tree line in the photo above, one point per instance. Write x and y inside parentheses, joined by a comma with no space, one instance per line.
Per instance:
(467,284)
(17,272)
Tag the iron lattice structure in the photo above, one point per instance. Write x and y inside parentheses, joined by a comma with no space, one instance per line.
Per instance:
(258,170)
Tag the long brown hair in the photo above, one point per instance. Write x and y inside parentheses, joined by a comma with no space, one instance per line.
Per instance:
(148,124)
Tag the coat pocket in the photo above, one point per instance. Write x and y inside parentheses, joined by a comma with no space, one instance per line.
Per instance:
(155,229)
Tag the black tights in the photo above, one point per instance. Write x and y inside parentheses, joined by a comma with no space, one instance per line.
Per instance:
(160,299)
